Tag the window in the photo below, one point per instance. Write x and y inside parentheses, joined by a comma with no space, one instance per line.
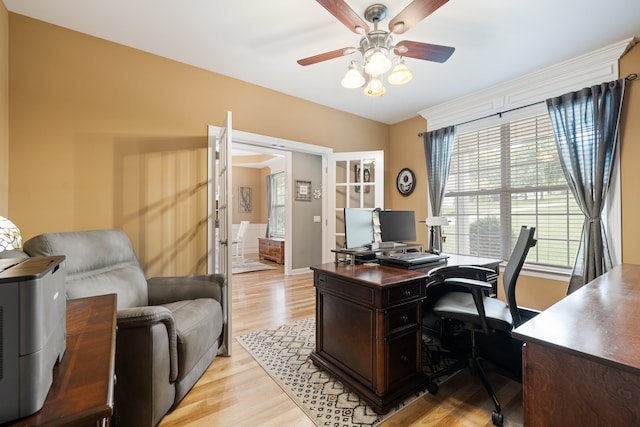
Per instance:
(277,203)
(506,176)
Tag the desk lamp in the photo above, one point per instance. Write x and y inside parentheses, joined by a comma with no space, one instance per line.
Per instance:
(10,237)
(433,222)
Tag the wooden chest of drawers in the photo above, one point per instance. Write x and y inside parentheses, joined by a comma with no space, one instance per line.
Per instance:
(271,249)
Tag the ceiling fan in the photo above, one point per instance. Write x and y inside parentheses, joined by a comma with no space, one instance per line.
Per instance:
(377,47)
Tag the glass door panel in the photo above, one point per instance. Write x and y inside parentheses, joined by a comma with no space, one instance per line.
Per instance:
(359,183)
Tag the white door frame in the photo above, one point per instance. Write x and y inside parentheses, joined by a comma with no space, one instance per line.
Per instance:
(286,147)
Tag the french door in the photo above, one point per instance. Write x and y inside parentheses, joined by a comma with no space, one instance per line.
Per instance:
(358,180)
(219,218)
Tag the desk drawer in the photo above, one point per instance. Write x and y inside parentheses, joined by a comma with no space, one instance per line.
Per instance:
(405,293)
(402,358)
(344,288)
(402,318)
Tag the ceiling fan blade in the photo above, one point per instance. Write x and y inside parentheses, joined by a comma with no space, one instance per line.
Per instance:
(346,15)
(326,56)
(415,12)
(426,51)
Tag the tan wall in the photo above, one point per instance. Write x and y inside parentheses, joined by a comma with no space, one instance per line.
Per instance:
(103,135)
(4,111)
(407,151)
(630,156)
(248,177)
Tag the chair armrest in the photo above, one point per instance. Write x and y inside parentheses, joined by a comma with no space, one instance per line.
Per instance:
(476,287)
(438,276)
(463,271)
(163,290)
(470,284)
(143,319)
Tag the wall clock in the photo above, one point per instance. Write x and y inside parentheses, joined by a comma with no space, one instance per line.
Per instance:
(406,181)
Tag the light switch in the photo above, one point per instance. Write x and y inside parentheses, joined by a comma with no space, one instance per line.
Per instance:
(316,218)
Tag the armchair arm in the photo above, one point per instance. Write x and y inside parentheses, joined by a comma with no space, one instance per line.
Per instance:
(477,288)
(144,318)
(164,290)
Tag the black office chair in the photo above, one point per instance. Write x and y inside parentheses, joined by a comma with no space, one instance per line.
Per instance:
(465,306)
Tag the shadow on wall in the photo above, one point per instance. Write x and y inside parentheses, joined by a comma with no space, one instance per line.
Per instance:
(160,201)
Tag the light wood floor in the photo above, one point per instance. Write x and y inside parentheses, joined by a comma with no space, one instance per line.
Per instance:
(236,391)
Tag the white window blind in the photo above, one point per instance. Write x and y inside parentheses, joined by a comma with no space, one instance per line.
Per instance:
(503,177)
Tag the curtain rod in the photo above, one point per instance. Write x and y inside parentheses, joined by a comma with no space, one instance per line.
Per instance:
(629,78)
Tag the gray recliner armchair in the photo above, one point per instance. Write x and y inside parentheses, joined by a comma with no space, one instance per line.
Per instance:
(169,328)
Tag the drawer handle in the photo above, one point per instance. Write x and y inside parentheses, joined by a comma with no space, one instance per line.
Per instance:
(406,293)
(403,358)
(404,319)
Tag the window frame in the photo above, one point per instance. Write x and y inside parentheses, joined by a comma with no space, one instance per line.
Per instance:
(504,189)
(612,212)
(591,68)
(275,207)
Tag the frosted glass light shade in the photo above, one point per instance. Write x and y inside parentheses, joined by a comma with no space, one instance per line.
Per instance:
(400,75)
(10,237)
(375,87)
(378,63)
(352,79)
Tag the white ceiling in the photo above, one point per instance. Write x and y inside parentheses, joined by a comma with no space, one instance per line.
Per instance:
(259,41)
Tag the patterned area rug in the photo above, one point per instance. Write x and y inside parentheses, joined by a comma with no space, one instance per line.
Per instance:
(284,355)
(248,267)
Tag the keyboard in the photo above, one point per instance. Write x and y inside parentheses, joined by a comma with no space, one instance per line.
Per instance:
(413,256)
(411,259)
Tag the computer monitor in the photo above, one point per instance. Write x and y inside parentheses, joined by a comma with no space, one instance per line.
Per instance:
(358,227)
(397,226)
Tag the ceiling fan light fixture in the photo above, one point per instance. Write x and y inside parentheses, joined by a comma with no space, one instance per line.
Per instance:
(353,79)
(379,53)
(377,62)
(374,87)
(400,74)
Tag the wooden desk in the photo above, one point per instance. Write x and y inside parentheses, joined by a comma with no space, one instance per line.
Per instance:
(368,327)
(82,389)
(581,360)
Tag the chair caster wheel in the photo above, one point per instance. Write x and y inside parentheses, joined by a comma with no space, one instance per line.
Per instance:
(497,418)
(432,388)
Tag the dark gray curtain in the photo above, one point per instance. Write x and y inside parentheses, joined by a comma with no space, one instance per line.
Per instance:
(269,204)
(586,126)
(438,146)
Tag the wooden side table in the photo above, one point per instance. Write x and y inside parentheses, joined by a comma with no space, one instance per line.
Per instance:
(82,390)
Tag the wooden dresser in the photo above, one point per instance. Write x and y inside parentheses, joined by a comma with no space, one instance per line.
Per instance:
(271,249)
(581,360)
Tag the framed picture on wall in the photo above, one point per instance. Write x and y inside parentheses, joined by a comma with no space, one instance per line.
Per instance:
(244,199)
(303,190)
(366,177)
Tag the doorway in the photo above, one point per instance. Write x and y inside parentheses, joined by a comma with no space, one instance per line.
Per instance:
(287,148)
